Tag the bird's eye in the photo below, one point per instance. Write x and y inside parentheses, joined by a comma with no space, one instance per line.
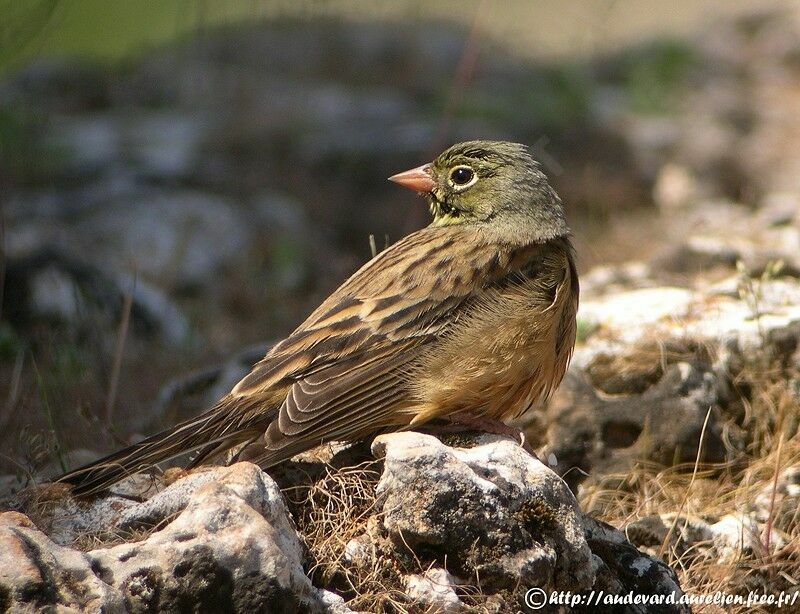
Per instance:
(462,175)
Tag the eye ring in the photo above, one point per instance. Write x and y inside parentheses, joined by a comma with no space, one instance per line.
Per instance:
(462,177)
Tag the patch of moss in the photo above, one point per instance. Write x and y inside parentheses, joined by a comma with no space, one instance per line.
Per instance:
(460,440)
(560,97)
(549,98)
(536,516)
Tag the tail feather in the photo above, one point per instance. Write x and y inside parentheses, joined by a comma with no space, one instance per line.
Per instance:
(219,428)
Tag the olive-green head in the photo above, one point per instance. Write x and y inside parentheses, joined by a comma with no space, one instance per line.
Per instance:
(493,184)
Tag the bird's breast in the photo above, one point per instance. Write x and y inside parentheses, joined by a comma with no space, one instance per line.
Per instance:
(509,349)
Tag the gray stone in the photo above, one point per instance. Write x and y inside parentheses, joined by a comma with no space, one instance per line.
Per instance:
(152,144)
(37,574)
(168,236)
(494,512)
(654,360)
(491,511)
(221,538)
(164,145)
(220,553)
(54,285)
(621,569)
(725,540)
(655,415)
(225,543)
(434,589)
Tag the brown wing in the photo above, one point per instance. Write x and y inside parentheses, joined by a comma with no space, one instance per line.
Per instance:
(343,401)
(346,364)
(409,291)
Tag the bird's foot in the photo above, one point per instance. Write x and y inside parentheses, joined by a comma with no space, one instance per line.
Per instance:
(459,422)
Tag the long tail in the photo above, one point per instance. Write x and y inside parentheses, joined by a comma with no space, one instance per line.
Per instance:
(221,427)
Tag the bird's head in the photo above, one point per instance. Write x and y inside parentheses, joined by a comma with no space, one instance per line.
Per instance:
(496,184)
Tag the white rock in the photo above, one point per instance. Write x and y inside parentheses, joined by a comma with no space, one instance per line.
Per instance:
(166,234)
(219,549)
(39,574)
(434,589)
(785,493)
(472,502)
(675,188)
(735,535)
(227,540)
(717,315)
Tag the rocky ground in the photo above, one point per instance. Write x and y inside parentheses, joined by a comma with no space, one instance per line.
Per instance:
(159,217)
(419,525)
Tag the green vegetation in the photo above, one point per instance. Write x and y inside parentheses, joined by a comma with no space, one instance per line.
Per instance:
(585,329)
(10,343)
(98,29)
(25,158)
(557,98)
(655,77)
(561,97)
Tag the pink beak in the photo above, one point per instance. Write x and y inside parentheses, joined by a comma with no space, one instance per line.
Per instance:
(418,179)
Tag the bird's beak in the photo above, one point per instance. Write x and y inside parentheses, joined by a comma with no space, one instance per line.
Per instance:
(418,179)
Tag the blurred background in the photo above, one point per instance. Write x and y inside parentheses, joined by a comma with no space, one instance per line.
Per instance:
(183,181)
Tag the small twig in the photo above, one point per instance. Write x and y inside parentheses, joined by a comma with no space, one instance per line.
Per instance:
(13,394)
(771,517)
(688,488)
(122,334)
(48,412)
(2,260)
(463,75)
(372,247)
(16,378)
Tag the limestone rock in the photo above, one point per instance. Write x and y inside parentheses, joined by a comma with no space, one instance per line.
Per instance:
(601,434)
(453,518)
(492,510)
(653,361)
(48,283)
(167,234)
(621,569)
(36,573)
(727,540)
(721,314)
(495,512)
(227,544)
(219,553)
(785,492)
(434,589)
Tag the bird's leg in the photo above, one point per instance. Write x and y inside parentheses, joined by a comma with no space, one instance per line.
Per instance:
(463,421)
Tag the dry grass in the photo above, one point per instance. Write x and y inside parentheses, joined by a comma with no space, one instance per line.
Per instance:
(93,541)
(750,485)
(44,504)
(340,521)
(338,507)
(333,510)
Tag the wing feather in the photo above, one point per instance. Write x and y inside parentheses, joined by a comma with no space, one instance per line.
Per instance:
(345,390)
(347,365)
(410,289)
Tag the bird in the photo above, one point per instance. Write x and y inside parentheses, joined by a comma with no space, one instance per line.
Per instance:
(472,315)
